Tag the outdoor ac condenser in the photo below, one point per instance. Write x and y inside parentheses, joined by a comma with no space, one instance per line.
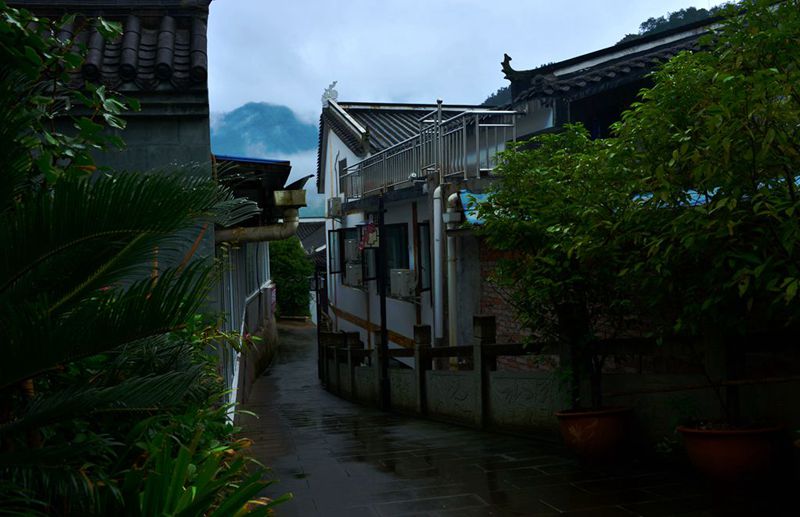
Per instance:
(402,283)
(353,275)
(351,252)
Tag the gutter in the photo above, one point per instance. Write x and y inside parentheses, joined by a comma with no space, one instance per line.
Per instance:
(291,200)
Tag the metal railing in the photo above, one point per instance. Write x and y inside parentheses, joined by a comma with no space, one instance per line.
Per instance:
(463,146)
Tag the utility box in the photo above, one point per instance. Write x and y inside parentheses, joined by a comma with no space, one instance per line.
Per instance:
(402,283)
(334,208)
(353,275)
(351,251)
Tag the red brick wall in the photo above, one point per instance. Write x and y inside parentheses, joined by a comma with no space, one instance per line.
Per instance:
(492,301)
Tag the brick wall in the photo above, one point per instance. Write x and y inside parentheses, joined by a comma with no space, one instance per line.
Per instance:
(492,301)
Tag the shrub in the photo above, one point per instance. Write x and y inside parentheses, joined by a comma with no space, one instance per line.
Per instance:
(290,268)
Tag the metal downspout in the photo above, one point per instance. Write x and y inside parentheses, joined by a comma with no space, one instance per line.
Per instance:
(452,219)
(272,232)
(438,294)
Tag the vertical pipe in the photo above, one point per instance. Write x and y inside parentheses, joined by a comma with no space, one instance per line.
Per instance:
(438,295)
(452,292)
(439,139)
(464,146)
(383,346)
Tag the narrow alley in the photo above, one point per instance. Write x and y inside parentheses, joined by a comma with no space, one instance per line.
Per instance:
(339,458)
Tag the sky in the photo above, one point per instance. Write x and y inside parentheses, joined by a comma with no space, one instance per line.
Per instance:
(288,52)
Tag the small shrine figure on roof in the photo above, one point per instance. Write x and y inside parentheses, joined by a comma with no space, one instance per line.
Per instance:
(330,94)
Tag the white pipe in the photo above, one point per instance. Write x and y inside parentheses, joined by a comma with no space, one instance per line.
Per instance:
(438,295)
(272,232)
(452,303)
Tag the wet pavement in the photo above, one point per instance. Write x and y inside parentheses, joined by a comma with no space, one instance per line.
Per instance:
(343,459)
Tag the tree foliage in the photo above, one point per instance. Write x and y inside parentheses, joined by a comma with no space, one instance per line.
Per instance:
(290,268)
(672,20)
(685,222)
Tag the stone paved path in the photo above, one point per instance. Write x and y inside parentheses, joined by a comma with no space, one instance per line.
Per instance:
(338,458)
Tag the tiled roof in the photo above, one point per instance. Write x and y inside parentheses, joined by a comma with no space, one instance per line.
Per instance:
(622,63)
(583,82)
(311,234)
(162,47)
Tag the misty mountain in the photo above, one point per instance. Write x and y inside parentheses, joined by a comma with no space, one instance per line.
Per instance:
(258,128)
(262,130)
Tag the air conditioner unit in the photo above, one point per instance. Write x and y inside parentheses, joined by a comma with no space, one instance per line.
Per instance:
(334,208)
(351,252)
(353,275)
(402,283)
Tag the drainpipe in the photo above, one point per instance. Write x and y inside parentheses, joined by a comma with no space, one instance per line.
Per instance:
(290,201)
(438,298)
(452,218)
(271,232)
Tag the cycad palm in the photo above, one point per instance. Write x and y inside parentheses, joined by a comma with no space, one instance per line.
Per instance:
(76,265)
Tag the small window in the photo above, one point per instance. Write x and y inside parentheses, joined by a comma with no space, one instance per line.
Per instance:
(424,259)
(395,245)
(334,252)
(352,257)
(370,264)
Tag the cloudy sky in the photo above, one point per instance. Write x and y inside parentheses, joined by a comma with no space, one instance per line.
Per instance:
(287,51)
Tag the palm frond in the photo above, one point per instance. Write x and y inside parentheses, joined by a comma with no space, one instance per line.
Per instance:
(146,393)
(37,340)
(110,226)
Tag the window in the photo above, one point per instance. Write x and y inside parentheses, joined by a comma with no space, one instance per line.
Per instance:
(352,257)
(395,245)
(370,264)
(424,259)
(334,252)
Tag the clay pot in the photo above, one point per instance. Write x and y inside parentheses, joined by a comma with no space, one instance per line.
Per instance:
(596,436)
(733,455)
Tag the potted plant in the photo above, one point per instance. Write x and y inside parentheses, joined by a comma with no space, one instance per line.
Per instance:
(557,209)
(715,147)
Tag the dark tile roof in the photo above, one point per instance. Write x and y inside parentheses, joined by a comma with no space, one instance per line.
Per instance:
(162,47)
(587,81)
(637,57)
(311,234)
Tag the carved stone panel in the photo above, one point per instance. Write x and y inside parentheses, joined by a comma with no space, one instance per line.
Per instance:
(453,396)
(403,390)
(525,400)
(365,388)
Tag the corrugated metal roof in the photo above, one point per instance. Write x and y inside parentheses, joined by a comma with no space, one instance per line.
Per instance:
(387,124)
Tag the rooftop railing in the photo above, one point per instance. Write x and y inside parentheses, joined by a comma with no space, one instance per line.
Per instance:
(464,146)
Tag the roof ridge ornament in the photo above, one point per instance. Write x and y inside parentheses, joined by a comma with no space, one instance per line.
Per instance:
(330,94)
(509,72)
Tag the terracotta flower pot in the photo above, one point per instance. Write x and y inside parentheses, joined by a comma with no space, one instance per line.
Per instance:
(733,455)
(595,435)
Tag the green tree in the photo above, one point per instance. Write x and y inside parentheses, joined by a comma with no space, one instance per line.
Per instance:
(559,209)
(290,268)
(716,145)
(694,202)
(672,20)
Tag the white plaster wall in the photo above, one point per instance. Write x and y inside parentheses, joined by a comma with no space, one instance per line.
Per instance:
(538,117)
